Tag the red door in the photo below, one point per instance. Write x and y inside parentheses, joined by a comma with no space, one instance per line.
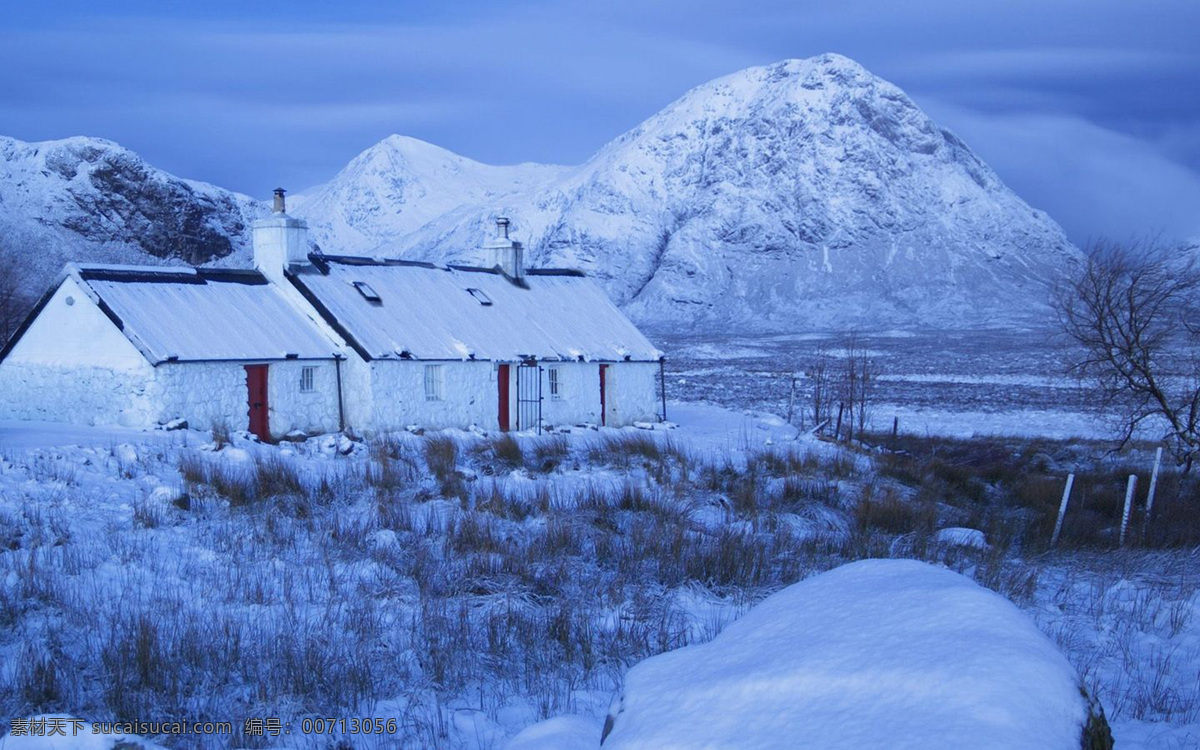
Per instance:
(256,391)
(502,387)
(603,399)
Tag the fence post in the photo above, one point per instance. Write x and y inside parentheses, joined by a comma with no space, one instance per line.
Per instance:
(837,432)
(662,384)
(1062,510)
(1150,492)
(1128,506)
(791,399)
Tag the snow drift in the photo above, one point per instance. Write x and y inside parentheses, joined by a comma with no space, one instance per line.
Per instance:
(878,653)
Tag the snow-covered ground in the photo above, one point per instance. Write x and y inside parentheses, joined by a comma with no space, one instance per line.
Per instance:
(468,591)
(956,384)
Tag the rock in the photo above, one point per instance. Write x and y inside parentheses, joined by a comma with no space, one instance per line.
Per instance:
(125,453)
(956,536)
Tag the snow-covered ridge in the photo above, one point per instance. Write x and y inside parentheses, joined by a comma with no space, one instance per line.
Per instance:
(808,193)
(89,199)
(805,193)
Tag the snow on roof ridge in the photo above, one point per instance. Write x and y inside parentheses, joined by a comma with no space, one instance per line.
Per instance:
(189,270)
(383,260)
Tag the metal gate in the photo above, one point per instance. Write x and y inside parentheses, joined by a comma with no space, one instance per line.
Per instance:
(529,397)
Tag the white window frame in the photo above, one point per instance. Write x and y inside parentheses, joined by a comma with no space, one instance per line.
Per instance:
(435,383)
(308,379)
(554,378)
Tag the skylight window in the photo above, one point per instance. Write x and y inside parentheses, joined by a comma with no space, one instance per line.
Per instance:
(481,296)
(369,294)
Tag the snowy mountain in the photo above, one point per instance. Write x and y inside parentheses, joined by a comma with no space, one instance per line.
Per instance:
(804,193)
(401,184)
(808,193)
(88,199)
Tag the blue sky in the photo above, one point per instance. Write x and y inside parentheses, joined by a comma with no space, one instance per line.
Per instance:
(1089,109)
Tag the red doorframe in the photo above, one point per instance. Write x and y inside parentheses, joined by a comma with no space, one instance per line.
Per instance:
(502,388)
(256,396)
(603,398)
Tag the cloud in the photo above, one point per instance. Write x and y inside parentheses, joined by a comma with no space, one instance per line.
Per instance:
(247,96)
(1095,182)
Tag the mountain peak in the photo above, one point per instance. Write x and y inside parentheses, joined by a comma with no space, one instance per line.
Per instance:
(805,189)
(804,193)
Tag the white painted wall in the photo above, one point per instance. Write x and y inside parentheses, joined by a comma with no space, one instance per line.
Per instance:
(72,330)
(398,393)
(211,393)
(290,409)
(205,394)
(633,393)
(580,394)
(471,395)
(76,394)
(73,365)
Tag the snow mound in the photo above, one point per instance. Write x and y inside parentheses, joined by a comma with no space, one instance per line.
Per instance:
(558,733)
(957,536)
(878,653)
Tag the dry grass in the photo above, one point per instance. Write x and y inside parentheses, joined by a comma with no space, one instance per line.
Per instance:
(363,583)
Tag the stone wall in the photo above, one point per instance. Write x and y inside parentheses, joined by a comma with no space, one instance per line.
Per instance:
(471,395)
(398,391)
(210,393)
(79,395)
(633,394)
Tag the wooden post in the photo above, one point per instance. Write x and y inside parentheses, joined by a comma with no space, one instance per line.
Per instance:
(837,432)
(895,430)
(662,384)
(1128,506)
(1062,510)
(791,399)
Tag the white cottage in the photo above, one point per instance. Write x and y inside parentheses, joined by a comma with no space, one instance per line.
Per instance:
(317,343)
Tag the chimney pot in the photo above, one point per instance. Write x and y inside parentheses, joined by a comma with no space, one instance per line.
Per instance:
(506,254)
(279,241)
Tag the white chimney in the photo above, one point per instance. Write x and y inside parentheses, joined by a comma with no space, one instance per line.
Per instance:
(279,241)
(505,253)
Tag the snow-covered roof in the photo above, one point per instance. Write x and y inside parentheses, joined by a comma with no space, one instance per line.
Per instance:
(391,309)
(189,314)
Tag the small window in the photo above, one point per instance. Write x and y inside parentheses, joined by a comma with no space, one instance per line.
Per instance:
(366,291)
(480,295)
(556,389)
(308,377)
(434,383)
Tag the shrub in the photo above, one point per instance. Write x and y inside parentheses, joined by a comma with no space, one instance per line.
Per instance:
(550,451)
(441,456)
(506,450)
(886,511)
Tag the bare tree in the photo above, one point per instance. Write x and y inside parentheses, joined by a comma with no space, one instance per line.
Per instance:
(857,386)
(14,296)
(821,397)
(1132,315)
